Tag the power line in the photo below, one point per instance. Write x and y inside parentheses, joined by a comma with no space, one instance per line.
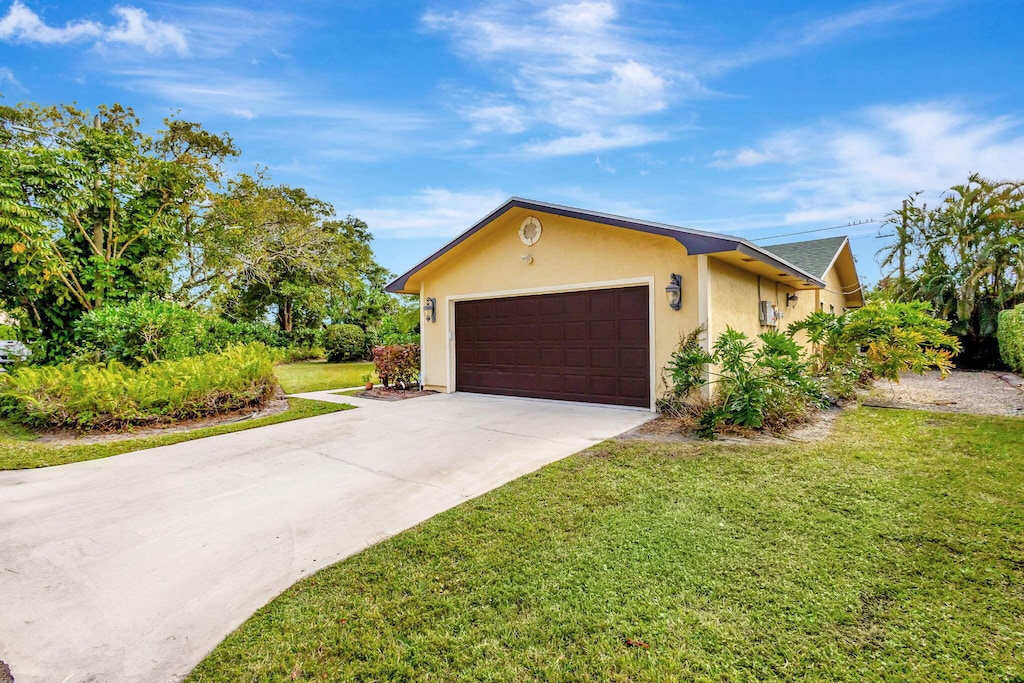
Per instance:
(834,227)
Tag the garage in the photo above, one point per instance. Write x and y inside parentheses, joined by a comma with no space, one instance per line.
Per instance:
(591,346)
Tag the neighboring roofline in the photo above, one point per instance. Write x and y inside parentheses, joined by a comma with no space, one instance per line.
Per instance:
(695,241)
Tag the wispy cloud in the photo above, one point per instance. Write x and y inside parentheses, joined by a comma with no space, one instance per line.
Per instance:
(7,76)
(573,72)
(430,212)
(133,28)
(841,170)
(809,34)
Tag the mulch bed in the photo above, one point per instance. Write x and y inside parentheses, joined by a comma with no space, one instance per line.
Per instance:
(392,394)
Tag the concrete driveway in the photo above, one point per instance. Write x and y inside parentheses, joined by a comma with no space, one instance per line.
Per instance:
(132,568)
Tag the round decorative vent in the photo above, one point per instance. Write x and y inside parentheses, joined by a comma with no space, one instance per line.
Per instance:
(529,231)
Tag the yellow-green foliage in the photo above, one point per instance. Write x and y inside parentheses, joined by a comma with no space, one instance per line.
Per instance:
(114,396)
(1011,338)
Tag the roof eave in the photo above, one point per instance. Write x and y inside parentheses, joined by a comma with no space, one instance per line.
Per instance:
(696,242)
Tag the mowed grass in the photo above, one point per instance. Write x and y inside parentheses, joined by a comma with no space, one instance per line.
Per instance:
(892,552)
(298,378)
(20,449)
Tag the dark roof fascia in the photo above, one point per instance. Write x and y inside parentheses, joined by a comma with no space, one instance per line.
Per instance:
(695,241)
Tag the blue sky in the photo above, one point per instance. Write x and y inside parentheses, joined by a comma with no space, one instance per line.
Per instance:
(751,118)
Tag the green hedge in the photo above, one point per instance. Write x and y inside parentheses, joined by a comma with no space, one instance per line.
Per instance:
(1011,338)
(115,396)
(345,343)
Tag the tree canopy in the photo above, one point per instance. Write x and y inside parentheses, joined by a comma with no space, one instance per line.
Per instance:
(93,210)
(964,256)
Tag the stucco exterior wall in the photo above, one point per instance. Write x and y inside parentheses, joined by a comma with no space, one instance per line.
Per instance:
(832,297)
(735,296)
(571,254)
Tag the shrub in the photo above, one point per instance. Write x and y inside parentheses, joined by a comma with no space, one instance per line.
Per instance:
(685,373)
(882,339)
(762,387)
(142,331)
(400,328)
(397,364)
(116,396)
(345,343)
(224,333)
(296,353)
(8,332)
(1011,338)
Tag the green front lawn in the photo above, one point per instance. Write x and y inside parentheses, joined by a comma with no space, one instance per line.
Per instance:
(892,551)
(19,448)
(298,378)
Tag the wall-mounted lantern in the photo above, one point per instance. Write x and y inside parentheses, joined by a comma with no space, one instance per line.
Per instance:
(791,299)
(674,291)
(430,309)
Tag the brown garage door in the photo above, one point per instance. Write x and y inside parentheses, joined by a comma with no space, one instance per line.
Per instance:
(574,346)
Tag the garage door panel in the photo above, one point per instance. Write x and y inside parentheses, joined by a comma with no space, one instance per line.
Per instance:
(581,346)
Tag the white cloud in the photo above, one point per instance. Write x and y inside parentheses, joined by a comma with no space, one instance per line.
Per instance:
(806,35)
(497,118)
(837,171)
(572,69)
(7,76)
(430,212)
(134,28)
(595,141)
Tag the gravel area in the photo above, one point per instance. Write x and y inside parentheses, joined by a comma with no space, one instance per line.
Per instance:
(963,391)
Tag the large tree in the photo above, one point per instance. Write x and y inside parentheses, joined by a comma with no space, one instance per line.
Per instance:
(965,256)
(282,251)
(93,210)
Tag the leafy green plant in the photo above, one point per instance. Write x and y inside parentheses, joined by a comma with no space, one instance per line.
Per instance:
(686,368)
(294,354)
(116,396)
(742,389)
(8,332)
(142,331)
(1011,338)
(397,364)
(882,339)
(345,343)
(765,385)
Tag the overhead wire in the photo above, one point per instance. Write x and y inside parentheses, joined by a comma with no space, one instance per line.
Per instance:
(851,224)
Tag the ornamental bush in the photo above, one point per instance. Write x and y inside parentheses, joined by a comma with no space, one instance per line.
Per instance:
(1011,338)
(142,331)
(116,396)
(397,364)
(345,343)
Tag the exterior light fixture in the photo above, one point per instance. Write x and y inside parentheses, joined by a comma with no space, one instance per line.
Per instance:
(674,291)
(791,299)
(430,309)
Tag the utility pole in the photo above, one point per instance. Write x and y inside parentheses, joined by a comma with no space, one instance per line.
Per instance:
(903,243)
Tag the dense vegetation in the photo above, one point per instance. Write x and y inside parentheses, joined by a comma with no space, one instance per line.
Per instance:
(889,552)
(115,396)
(965,257)
(773,382)
(1011,338)
(96,215)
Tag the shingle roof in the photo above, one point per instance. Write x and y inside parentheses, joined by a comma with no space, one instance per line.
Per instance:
(814,256)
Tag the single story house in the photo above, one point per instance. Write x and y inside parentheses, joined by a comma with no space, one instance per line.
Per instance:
(548,301)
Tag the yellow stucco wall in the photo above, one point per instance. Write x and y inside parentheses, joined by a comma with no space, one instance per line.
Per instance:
(570,253)
(735,294)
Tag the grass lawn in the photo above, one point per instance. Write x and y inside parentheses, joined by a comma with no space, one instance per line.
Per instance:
(298,378)
(19,449)
(893,551)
